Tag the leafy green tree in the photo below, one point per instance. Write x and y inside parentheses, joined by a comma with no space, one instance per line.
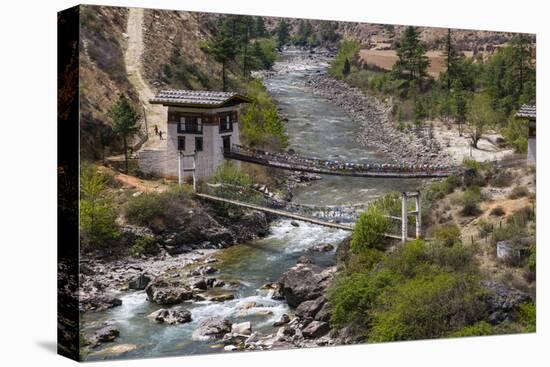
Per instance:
(97,215)
(283,33)
(516,134)
(412,61)
(480,116)
(223,48)
(347,51)
(510,75)
(125,119)
(369,230)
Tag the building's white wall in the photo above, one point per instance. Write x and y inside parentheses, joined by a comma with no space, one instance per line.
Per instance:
(165,163)
(532,150)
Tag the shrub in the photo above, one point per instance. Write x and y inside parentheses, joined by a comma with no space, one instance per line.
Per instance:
(427,306)
(532,260)
(142,209)
(97,212)
(503,179)
(447,234)
(159,211)
(438,190)
(497,211)
(365,260)
(518,192)
(352,297)
(145,245)
(481,328)
(369,230)
(470,201)
(527,317)
(454,258)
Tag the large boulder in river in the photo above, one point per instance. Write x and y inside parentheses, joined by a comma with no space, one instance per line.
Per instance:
(140,282)
(168,292)
(172,316)
(315,329)
(212,328)
(305,282)
(104,335)
(308,309)
(100,302)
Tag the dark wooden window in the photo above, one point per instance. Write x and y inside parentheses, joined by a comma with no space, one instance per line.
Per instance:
(181,142)
(226,122)
(198,144)
(190,125)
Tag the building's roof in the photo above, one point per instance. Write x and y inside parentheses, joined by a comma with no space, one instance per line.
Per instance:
(197,98)
(529,111)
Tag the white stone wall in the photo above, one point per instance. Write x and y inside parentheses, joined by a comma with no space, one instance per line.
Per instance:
(532,150)
(165,162)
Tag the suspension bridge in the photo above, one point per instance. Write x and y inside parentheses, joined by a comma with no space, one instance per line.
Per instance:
(339,217)
(294,162)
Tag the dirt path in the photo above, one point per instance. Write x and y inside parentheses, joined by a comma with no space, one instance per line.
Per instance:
(154,114)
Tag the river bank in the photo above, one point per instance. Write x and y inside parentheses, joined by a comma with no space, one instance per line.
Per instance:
(377,128)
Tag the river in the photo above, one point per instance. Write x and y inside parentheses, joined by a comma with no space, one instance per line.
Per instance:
(315,127)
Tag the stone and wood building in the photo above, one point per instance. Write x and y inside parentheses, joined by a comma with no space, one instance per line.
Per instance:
(200,126)
(529,112)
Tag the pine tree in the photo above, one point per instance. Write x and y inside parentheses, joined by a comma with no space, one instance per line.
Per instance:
(223,47)
(347,68)
(283,32)
(259,27)
(412,61)
(125,120)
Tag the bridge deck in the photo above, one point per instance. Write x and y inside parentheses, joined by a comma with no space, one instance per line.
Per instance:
(283,213)
(292,166)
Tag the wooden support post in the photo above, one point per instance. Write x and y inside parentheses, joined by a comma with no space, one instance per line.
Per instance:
(404,217)
(180,178)
(418,217)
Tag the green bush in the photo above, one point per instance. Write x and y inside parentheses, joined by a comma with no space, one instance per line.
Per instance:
(527,317)
(98,228)
(364,260)
(368,231)
(481,328)
(470,201)
(143,209)
(518,192)
(352,297)
(455,258)
(447,234)
(159,211)
(438,190)
(532,260)
(427,306)
(417,291)
(145,245)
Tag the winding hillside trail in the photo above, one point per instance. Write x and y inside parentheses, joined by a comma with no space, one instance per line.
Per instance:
(154,114)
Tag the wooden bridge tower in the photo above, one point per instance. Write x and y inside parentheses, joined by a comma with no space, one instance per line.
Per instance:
(405,213)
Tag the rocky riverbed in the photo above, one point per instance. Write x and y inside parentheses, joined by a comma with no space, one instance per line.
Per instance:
(378,129)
